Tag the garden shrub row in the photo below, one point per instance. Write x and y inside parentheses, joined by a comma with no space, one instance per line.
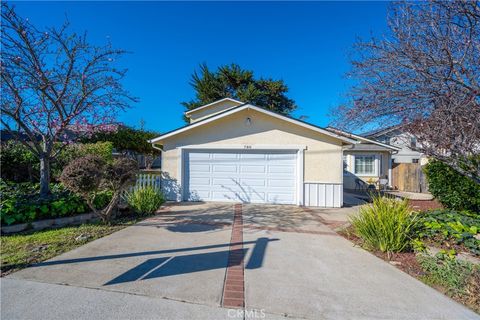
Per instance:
(19,164)
(20,203)
(389,225)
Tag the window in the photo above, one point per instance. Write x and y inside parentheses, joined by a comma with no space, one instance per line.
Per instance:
(365,165)
(413,142)
(345,164)
(414,160)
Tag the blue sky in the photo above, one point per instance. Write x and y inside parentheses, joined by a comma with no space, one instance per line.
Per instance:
(306,44)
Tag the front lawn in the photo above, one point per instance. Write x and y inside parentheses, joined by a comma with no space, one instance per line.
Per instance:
(21,250)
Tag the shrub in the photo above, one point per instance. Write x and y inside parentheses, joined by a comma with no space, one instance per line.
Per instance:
(104,150)
(18,163)
(451,226)
(386,225)
(89,175)
(145,200)
(452,189)
(21,203)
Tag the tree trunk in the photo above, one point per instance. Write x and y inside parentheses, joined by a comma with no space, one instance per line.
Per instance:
(44,176)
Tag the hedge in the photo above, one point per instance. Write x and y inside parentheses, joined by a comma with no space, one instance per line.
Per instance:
(452,189)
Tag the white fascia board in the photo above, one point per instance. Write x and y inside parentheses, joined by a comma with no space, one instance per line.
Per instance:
(212,103)
(367,140)
(261,110)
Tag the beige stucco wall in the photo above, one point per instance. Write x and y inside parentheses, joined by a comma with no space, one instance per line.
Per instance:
(212,110)
(322,159)
(349,177)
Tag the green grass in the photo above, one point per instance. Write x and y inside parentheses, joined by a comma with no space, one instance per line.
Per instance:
(20,250)
(456,278)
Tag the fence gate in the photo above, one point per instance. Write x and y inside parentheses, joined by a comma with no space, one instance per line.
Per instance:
(409,177)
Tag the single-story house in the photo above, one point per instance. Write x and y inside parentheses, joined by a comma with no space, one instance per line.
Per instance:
(235,151)
(368,162)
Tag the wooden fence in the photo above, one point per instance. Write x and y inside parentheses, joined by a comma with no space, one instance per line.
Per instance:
(409,177)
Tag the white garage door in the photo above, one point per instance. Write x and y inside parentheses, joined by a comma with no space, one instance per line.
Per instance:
(241,175)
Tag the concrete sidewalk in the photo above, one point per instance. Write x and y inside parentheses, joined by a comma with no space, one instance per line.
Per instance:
(22,299)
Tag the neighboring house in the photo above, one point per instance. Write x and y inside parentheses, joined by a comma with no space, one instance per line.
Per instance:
(235,151)
(397,137)
(366,162)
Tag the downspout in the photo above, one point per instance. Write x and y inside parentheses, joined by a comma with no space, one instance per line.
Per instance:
(154,146)
(159,149)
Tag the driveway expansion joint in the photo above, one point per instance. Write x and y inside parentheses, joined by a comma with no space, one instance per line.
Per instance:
(234,284)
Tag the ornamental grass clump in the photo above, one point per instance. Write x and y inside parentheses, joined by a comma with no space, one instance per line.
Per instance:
(387,224)
(145,200)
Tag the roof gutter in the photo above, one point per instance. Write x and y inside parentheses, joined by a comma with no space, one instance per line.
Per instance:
(154,146)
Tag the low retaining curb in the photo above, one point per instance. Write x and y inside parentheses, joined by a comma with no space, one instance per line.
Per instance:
(48,223)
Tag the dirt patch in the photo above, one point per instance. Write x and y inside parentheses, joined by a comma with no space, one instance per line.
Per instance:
(405,261)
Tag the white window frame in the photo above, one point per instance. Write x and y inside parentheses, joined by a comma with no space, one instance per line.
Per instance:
(376,165)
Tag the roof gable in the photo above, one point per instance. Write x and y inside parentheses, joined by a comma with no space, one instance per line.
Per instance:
(261,110)
(211,109)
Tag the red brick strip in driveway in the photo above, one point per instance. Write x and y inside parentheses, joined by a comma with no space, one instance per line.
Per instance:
(234,289)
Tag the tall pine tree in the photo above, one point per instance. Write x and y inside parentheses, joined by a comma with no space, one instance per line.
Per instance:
(231,81)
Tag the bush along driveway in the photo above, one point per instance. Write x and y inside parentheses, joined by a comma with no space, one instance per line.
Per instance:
(440,247)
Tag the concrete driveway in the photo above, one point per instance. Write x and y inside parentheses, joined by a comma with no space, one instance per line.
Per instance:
(196,261)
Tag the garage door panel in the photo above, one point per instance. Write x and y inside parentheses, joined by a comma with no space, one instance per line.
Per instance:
(258,197)
(255,182)
(224,156)
(199,168)
(280,183)
(224,182)
(200,156)
(242,175)
(286,198)
(224,168)
(288,169)
(281,156)
(203,181)
(253,156)
(198,195)
(252,169)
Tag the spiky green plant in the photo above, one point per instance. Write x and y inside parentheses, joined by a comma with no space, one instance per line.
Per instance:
(386,224)
(145,200)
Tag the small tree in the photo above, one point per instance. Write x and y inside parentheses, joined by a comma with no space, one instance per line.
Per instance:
(88,175)
(55,83)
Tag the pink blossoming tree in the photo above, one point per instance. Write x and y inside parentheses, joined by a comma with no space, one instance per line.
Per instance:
(56,87)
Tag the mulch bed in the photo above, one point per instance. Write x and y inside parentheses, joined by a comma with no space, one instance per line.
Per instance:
(423,205)
(405,261)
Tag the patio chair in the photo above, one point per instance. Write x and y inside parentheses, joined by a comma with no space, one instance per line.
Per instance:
(382,184)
